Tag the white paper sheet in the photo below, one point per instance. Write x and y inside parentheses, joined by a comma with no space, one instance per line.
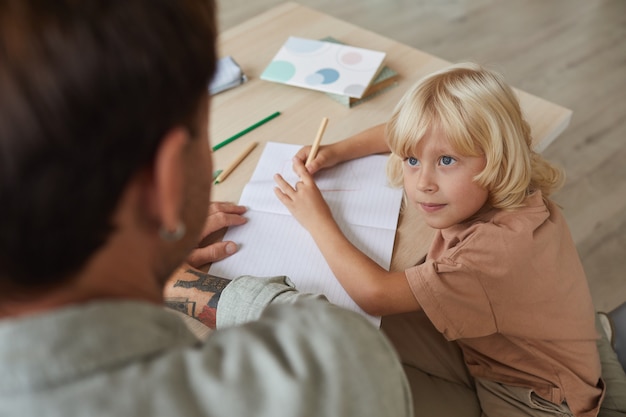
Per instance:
(272,242)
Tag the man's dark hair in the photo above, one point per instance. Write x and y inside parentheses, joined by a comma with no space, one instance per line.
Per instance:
(87,90)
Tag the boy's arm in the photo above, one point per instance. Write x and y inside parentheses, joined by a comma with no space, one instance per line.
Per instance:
(375,290)
(367,142)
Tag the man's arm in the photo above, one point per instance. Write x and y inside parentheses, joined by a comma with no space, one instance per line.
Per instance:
(304,345)
(195,293)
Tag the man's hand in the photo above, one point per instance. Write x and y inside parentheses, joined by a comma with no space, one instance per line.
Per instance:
(220,216)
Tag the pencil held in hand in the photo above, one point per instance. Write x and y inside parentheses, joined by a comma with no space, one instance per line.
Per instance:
(317,141)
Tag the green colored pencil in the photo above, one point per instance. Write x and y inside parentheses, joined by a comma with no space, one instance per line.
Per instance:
(246,130)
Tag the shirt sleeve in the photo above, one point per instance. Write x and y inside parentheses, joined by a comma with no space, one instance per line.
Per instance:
(297,354)
(453,298)
(246,297)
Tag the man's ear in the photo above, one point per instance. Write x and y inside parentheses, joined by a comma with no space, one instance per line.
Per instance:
(169,178)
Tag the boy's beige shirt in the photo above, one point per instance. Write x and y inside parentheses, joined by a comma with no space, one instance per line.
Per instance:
(509,287)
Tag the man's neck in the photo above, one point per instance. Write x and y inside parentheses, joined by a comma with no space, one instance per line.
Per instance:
(109,274)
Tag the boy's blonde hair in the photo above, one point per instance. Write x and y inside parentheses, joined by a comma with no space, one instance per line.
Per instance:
(480,115)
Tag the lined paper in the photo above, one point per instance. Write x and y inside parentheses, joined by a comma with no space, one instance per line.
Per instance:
(272,242)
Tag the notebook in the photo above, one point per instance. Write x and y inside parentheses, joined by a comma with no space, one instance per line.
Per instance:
(272,242)
(386,79)
(324,66)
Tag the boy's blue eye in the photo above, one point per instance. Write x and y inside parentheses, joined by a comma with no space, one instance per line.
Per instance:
(447,160)
(412,161)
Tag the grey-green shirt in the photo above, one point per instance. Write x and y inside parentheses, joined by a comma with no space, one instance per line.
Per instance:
(299,356)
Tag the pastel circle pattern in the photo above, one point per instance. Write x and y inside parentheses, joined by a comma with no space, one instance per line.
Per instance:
(353,59)
(323,76)
(280,71)
(301,46)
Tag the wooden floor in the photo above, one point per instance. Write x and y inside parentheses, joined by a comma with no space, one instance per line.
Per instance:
(571,52)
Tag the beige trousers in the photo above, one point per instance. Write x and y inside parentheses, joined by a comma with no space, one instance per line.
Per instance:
(441,384)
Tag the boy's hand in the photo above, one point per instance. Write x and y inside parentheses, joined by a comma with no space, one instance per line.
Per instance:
(305,201)
(326,157)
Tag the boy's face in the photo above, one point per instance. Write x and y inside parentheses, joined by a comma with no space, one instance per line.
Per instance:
(439,182)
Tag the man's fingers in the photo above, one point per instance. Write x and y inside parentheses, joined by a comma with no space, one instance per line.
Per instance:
(221,220)
(226,207)
(211,253)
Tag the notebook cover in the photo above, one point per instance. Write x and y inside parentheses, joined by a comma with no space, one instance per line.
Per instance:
(324,66)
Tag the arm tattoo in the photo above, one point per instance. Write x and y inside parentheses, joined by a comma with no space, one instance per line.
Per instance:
(195,288)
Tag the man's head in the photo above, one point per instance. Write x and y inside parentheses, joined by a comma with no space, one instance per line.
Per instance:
(88,91)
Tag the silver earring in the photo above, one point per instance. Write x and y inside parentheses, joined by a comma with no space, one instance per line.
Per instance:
(173,235)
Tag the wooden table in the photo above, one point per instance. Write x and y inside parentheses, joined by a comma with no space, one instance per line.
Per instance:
(254,43)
